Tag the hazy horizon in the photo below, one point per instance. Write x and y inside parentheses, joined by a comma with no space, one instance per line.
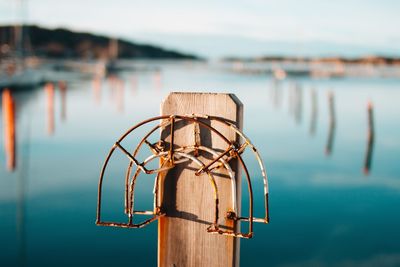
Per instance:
(213,30)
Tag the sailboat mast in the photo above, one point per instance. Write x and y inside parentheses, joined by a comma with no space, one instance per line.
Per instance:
(18,36)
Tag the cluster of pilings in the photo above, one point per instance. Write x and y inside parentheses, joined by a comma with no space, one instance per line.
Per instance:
(295,98)
(9,111)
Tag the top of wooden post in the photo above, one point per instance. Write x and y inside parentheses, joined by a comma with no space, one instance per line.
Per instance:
(202,103)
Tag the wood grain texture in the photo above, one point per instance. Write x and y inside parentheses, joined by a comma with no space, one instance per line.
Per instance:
(188,199)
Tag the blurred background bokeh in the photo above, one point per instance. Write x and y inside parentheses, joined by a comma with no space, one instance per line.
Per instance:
(319,81)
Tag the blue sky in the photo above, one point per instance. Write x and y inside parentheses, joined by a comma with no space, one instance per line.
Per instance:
(221,28)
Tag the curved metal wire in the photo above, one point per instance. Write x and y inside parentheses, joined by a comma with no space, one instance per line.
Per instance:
(165,123)
(241,149)
(170,161)
(157,204)
(157,211)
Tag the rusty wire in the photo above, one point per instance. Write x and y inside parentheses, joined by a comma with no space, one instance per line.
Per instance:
(157,204)
(256,154)
(168,161)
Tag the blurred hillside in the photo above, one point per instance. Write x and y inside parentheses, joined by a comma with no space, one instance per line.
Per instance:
(63,43)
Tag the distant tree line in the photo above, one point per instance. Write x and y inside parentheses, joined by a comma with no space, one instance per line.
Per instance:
(63,43)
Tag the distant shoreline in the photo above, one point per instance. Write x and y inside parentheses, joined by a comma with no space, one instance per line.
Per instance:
(372,60)
(66,44)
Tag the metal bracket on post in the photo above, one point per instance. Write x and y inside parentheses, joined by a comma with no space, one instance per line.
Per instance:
(198,182)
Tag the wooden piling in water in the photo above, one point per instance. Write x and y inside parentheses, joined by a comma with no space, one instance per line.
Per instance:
(332,124)
(370,138)
(96,85)
(9,128)
(49,90)
(63,93)
(314,111)
(298,103)
(188,201)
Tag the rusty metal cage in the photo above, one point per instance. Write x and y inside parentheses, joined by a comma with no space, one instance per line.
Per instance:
(171,155)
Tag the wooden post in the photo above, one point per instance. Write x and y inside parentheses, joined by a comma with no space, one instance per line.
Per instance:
(370,141)
(63,93)
(49,88)
(9,128)
(187,199)
(314,111)
(332,124)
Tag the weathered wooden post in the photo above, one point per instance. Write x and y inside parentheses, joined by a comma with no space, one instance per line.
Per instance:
(63,93)
(314,111)
(197,187)
(332,124)
(9,128)
(188,199)
(370,138)
(49,90)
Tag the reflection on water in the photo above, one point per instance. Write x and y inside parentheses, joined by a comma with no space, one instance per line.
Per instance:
(21,210)
(319,206)
(370,139)
(96,85)
(314,112)
(296,102)
(49,89)
(134,84)
(332,124)
(9,128)
(157,80)
(63,93)
(276,93)
(117,87)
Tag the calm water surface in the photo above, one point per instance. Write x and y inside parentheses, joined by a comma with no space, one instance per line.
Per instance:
(325,209)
